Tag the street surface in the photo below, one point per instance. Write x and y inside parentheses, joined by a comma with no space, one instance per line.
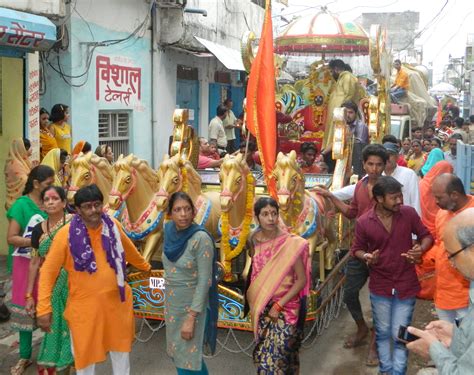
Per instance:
(325,357)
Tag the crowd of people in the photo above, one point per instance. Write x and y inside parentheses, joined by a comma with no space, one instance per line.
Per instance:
(413,217)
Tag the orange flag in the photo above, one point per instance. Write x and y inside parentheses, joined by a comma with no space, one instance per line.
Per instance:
(439,115)
(261,113)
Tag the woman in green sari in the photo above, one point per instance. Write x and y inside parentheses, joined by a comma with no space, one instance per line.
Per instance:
(55,351)
(23,216)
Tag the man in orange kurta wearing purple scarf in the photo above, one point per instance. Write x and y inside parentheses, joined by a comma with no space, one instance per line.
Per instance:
(93,249)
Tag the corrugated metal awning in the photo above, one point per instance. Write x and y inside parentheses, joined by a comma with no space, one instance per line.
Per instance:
(229,57)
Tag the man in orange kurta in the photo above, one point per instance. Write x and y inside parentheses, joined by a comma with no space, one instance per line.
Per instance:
(402,82)
(99,313)
(451,296)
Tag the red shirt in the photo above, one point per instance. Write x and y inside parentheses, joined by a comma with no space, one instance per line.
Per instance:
(392,272)
(204,162)
(361,202)
(401,161)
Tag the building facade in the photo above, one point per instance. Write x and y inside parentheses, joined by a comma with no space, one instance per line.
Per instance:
(122,67)
(25,31)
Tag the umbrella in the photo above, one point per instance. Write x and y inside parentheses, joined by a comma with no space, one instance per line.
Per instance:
(322,33)
(443,88)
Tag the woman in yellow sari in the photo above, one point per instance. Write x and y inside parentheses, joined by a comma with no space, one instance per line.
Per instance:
(60,127)
(416,159)
(56,159)
(279,283)
(17,169)
(47,140)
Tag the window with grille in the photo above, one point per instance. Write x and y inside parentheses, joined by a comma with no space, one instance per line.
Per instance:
(114,130)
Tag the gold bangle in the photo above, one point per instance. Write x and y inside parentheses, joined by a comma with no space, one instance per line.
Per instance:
(28,296)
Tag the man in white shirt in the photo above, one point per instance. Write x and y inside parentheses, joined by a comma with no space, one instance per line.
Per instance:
(406,176)
(230,123)
(450,156)
(216,129)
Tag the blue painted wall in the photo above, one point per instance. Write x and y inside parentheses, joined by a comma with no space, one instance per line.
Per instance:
(84,108)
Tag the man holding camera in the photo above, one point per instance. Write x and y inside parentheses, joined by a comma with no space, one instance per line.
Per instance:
(383,239)
(451,346)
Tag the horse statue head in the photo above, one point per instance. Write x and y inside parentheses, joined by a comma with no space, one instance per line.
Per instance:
(289,180)
(304,213)
(236,201)
(176,174)
(132,175)
(135,184)
(233,177)
(88,169)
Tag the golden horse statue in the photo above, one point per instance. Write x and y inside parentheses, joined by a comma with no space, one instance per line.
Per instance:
(135,183)
(237,199)
(178,174)
(88,169)
(304,213)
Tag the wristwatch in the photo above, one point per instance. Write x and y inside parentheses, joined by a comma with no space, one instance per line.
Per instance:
(365,256)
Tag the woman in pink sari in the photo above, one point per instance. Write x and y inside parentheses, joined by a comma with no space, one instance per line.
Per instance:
(279,283)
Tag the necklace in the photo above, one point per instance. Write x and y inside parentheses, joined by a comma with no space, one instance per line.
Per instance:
(54,226)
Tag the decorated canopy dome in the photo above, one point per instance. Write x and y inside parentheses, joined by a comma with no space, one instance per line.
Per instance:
(322,33)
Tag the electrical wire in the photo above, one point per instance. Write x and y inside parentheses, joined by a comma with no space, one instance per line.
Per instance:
(369,6)
(454,34)
(339,12)
(426,27)
(83,19)
(138,32)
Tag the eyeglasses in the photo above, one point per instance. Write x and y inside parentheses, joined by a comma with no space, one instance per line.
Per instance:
(451,256)
(89,206)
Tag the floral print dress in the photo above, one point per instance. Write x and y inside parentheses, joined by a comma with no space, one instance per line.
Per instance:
(187,288)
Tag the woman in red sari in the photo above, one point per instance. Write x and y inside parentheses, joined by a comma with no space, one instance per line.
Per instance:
(279,283)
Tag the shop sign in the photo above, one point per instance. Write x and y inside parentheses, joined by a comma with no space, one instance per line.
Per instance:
(26,31)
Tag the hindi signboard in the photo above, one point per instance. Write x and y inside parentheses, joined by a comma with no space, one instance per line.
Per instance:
(117,80)
(33,108)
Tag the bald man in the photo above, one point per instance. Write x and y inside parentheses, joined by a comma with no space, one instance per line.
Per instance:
(451,346)
(451,296)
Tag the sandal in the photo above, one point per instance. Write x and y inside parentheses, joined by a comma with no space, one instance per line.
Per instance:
(20,367)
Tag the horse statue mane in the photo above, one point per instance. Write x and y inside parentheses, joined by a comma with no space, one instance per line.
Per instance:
(185,178)
(88,169)
(142,166)
(178,174)
(135,184)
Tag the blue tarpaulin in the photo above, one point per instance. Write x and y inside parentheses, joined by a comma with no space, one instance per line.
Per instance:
(25,31)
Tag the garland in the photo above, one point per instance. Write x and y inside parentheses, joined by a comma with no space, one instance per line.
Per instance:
(230,253)
(185,182)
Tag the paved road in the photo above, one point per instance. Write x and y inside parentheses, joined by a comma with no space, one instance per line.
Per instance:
(325,357)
